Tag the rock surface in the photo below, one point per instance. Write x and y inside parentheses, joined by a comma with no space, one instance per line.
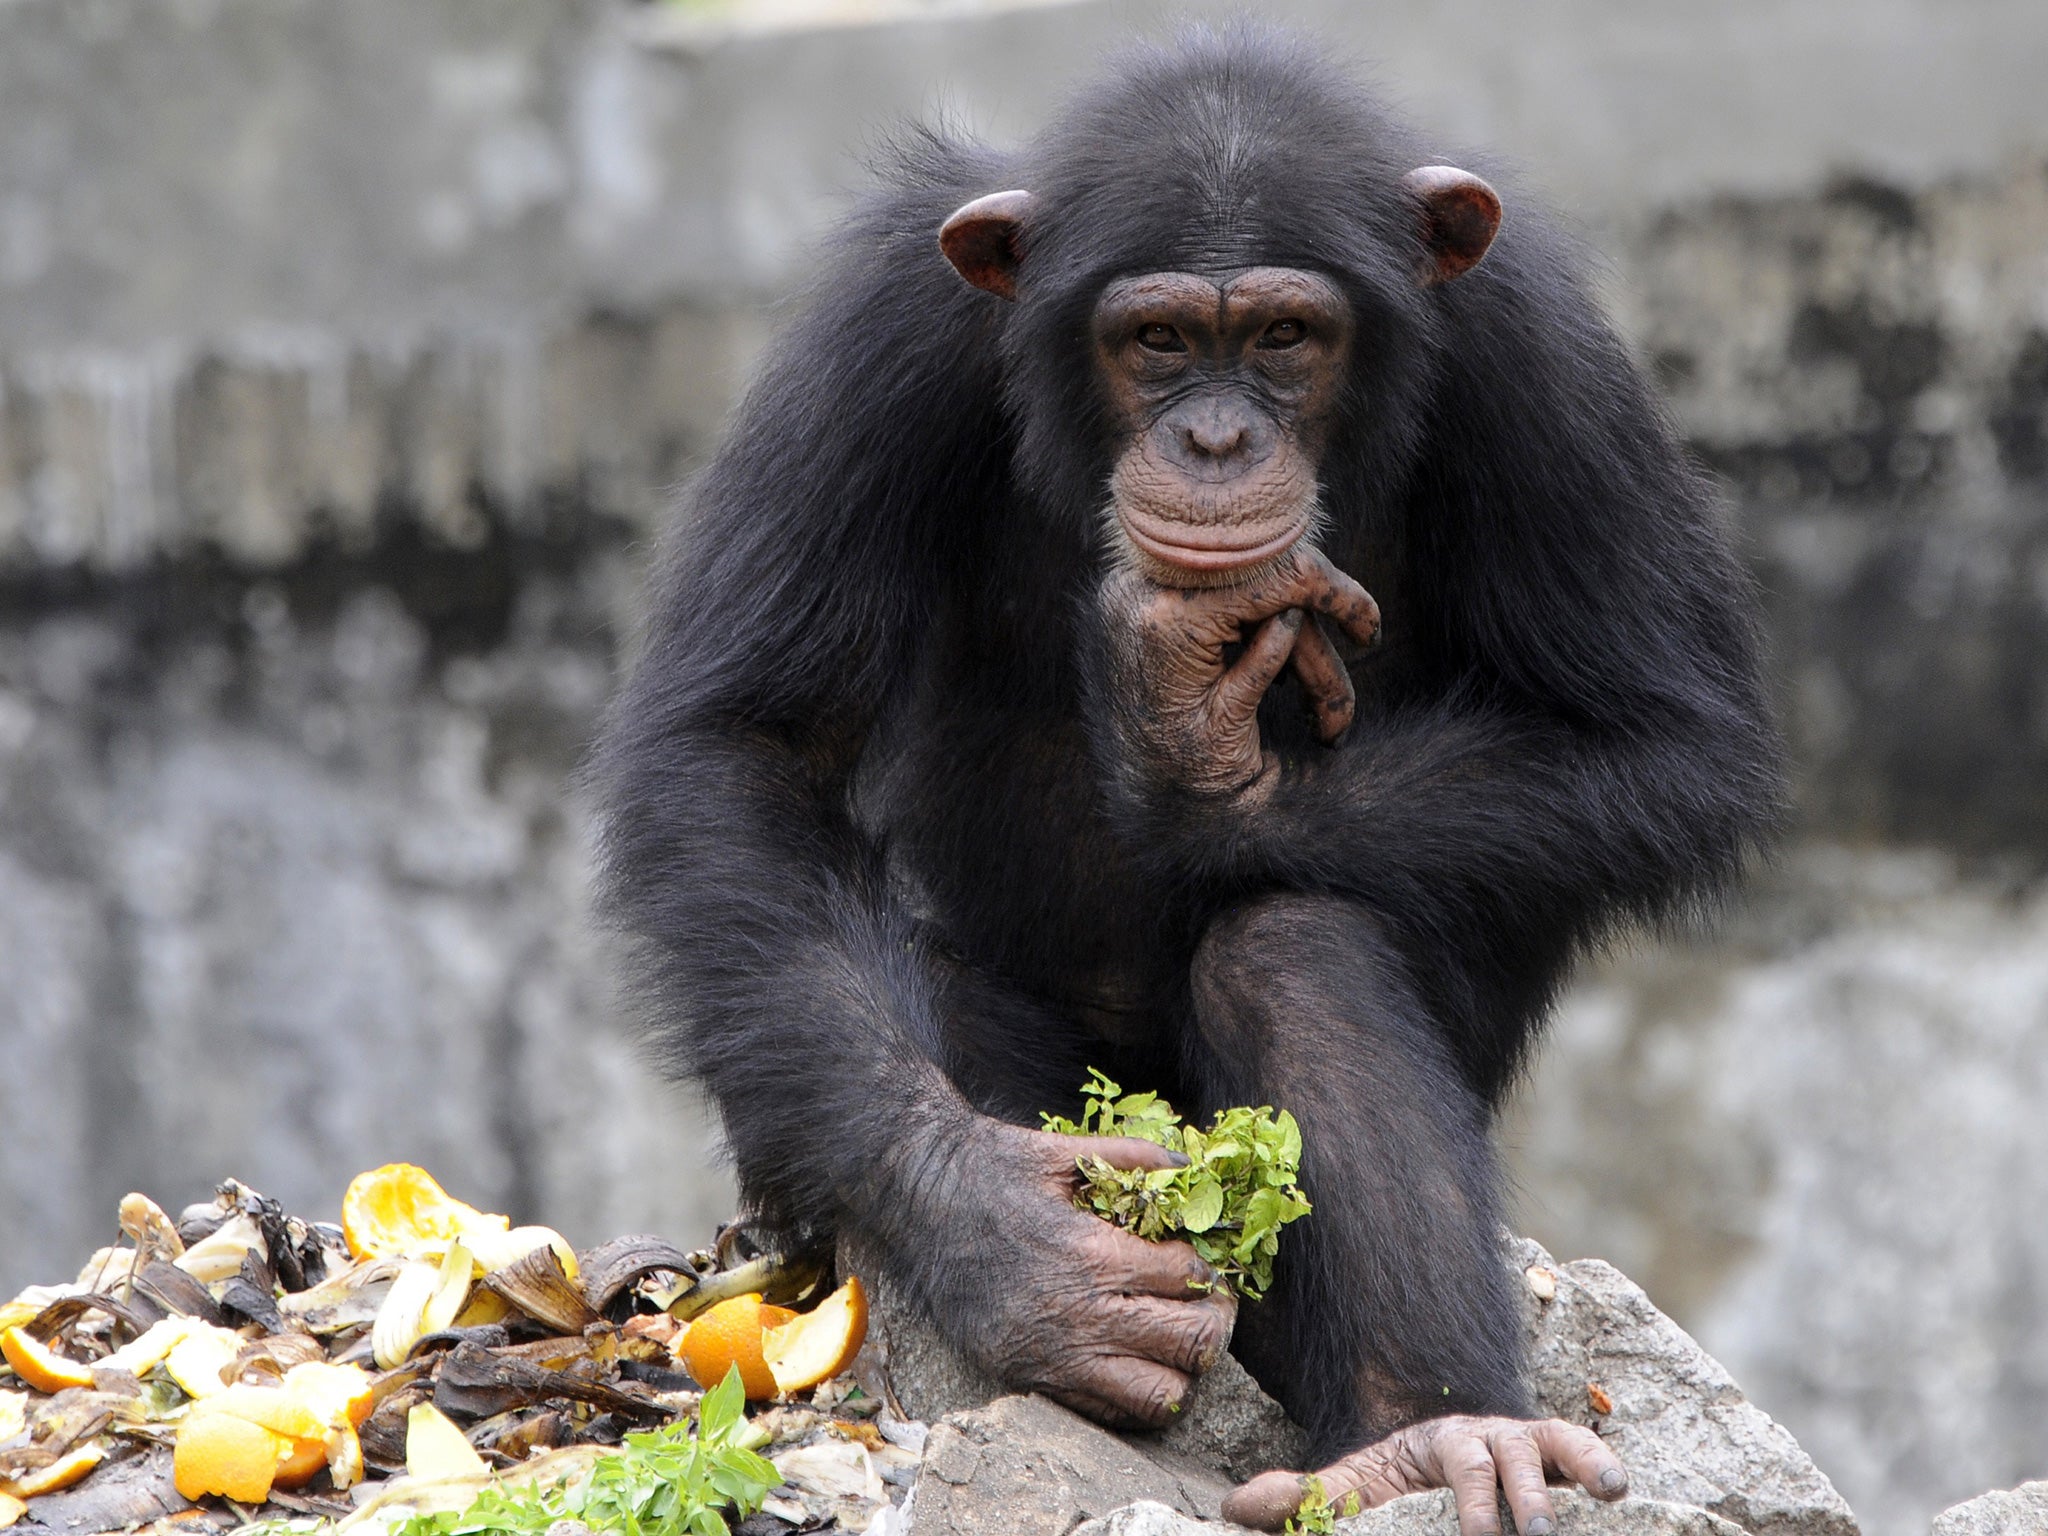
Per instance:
(1702,1459)
(1601,1355)
(2021,1511)
(1023,1466)
(1433,1514)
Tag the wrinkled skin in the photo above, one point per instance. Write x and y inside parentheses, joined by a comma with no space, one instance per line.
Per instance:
(1192,716)
(1190,712)
(1478,1459)
(1109,1324)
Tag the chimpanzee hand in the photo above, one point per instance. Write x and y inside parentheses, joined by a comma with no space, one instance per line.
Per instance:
(1059,1301)
(1186,714)
(1475,1458)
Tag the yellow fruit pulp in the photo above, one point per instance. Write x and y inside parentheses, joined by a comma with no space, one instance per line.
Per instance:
(394,1211)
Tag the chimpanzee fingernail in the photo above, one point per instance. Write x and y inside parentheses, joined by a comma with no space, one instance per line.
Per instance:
(1540,1526)
(1179,1159)
(1612,1480)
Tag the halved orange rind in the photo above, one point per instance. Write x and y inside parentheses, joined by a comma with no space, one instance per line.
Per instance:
(819,1344)
(728,1335)
(395,1211)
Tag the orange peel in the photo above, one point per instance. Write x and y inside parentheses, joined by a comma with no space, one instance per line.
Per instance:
(303,1462)
(335,1392)
(819,1344)
(225,1454)
(396,1211)
(729,1335)
(41,1366)
(61,1473)
(247,1437)
(273,1408)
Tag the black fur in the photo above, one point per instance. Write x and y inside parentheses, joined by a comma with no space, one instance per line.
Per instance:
(886,866)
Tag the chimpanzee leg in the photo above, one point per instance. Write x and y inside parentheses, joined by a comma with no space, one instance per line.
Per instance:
(1390,1302)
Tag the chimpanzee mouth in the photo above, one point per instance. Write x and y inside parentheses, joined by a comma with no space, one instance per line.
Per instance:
(1211,548)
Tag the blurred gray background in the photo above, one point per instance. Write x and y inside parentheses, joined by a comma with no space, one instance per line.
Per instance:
(349,351)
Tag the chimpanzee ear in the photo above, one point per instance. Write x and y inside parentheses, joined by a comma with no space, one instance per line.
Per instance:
(1460,214)
(984,241)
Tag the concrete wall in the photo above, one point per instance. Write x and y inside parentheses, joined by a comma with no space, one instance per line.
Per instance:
(348,350)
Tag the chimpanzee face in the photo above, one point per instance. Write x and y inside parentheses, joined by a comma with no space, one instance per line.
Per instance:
(1221,385)
(1221,388)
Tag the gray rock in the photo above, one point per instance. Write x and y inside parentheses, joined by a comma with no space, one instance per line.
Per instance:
(1228,1423)
(928,1375)
(1146,1518)
(2021,1511)
(1023,1466)
(1435,1514)
(1601,1355)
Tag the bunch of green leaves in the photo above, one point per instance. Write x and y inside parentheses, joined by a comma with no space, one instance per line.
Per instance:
(1317,1516)
(674,1481)
(1230,1201)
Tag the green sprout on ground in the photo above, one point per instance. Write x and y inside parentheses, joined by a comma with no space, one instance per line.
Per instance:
(1317,1515)
(1231,1200)
(674,1481)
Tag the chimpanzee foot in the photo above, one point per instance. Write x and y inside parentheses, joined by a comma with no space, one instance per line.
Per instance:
(1476,1458)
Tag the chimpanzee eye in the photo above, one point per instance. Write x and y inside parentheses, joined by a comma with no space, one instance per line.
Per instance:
(1284,333)
(1160,337)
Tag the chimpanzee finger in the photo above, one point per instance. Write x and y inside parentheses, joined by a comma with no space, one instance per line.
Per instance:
(1121,1389)
(1326,589)
(1465,1466)
(1117,1151)
(1267,1502)
(1139,1267)
(1306,579)
(1236,694)
(1183,1335)
(1325,681)
(1580,1455)
(1519,1466)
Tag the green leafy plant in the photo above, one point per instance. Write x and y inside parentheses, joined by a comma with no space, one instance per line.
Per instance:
(1317,1516)
(674,1481)
(1231,1200)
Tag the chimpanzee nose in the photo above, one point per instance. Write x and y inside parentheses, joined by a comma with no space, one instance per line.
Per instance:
(1214,437)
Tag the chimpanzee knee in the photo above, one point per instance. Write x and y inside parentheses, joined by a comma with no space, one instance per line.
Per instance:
(1276,963)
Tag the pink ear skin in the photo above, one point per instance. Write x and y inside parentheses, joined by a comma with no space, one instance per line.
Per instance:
(1460,215)
(983,240)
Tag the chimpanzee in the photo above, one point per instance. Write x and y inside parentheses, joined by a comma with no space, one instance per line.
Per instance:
(1013,704)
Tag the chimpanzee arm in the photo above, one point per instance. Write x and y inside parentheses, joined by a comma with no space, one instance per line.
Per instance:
(1593,741)
(787,976)
(780,970)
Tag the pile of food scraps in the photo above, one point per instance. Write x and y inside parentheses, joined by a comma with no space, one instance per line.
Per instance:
(428,1368)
